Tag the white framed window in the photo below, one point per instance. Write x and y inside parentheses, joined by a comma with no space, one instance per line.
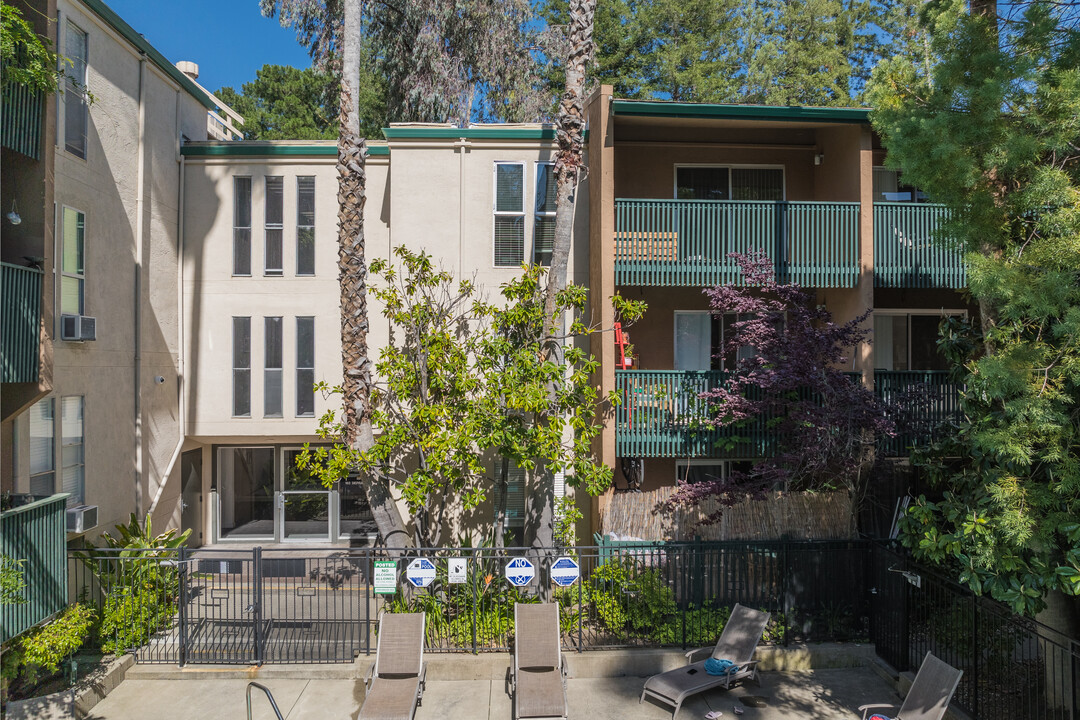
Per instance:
(544,213)
(305,367)
(43,447)
(906,339)
(509,214)
(72,449)
(72,262)
(305,226)
(695,470)
(729,182)
(76,50)
(272,371)
(241,364)
(274,226)
(242,226)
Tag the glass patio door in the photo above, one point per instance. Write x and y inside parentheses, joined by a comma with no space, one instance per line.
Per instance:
(304,505)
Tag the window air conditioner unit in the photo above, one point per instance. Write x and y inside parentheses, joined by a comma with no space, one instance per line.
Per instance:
(81,518)
(78,327)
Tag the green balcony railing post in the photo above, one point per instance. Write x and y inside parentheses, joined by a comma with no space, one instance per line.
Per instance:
(35,535)
(687,242)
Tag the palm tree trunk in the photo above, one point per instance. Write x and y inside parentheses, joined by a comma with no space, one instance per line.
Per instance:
(352,265)
(570,133)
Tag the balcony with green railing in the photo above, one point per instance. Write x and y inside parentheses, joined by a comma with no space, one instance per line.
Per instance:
(20,119)
(20,327)
(34,536)
(688,242)
(923,400)
(663,415)
(909,251)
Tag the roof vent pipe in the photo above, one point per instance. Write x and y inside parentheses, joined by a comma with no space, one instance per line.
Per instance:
(188,68)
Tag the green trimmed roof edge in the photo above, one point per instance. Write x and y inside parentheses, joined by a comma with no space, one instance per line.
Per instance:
(231,149)
(644,108)
(118,24)
(485,133)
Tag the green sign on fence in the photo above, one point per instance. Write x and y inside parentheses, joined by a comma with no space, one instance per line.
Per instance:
(385,577)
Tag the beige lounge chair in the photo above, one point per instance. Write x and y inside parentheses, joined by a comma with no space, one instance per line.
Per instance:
(537,680)
(929,696)
(395,683)
(737,643)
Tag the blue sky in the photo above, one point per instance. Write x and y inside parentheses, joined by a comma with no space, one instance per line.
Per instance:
(229,39)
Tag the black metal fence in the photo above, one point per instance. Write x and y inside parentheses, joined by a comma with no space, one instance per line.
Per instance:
(312,606)
(1013,666)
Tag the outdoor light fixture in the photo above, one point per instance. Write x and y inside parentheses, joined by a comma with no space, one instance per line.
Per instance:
(13,216)
(819,158)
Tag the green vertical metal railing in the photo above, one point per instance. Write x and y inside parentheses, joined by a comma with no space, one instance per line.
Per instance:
(35,536)
(20,119)
(909,251)
(688,242)
(924,398)
(20,323)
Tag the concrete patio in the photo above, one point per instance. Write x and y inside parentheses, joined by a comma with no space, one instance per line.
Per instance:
(788,695)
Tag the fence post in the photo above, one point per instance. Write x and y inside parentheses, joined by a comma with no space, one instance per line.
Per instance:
(182,572)
(783,589)
(369,597)
(580,610)
(256,603)
(476,579)
(976,651)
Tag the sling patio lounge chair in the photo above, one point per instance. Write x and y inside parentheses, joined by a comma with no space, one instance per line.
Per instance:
(929,696)
(395,683)
(537,680)
(737,643)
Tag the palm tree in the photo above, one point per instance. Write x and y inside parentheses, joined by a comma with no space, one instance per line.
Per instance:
(352,265)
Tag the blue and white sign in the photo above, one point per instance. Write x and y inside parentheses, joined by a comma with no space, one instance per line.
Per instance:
(565,572)
(420,572)
(520,572)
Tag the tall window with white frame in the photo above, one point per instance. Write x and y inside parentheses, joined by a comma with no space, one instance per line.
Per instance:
(75,107)
(72,267)
(43,447)
(72,454)
(305,367)
(509,214)
(515,501)
(241,391)
(275,216)
(272,381)
(241,226)
(544,218)
(305,226)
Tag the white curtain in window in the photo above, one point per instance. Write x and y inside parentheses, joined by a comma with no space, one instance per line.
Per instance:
(693,340)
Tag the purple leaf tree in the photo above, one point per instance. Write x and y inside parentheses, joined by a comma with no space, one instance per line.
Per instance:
(790,383)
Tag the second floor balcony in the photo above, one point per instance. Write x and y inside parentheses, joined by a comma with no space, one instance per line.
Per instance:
(20,331)
(20,120)
(689,242)
(663,415)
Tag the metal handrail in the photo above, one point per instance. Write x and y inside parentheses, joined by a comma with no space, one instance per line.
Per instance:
(269,696)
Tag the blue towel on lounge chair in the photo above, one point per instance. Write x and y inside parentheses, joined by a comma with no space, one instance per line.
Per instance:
(720,667)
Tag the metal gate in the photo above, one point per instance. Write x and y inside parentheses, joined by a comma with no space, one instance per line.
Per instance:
(222,606)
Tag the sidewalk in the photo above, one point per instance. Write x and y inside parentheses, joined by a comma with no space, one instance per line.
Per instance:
(802,695)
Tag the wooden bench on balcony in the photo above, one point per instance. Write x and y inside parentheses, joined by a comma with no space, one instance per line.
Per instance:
(646,246)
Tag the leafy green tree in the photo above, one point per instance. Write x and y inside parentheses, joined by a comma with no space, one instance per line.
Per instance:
(441,62)
(462,382)
(287,103)
(992,131)
(27,57)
